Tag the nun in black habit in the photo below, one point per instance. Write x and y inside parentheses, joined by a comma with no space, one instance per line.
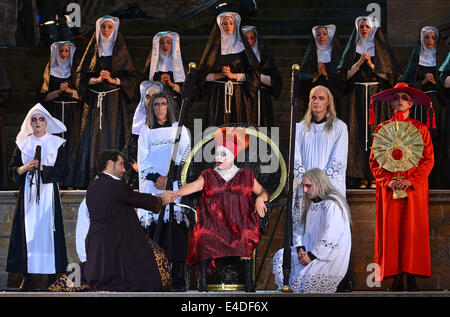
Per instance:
(427,56)
(58,95)
(106,79)
(165,64)
(37,244)
(271,82)
(319,65)
(368,60)
(229,72)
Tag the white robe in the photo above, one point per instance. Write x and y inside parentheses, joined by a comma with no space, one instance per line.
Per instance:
(154,151)
(318,148)
(327,235)
(83,223)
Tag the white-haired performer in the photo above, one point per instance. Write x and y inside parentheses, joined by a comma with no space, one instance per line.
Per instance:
(37,244)
(320,261)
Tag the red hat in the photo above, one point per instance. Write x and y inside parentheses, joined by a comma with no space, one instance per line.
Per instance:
(234,139)
(418,97)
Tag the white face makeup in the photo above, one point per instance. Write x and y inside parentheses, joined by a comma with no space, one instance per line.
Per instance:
(309,188)
(401,102)
(38,124)
(251,38)
(224,158)
(429,40)
(364,29)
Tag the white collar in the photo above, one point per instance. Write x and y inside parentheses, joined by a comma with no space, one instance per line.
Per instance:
(115,177)
(229,173)
(170,62)
(324,51)
(58,67)
(427,55)
(230,43)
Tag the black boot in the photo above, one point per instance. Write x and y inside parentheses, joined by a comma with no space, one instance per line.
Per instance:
(248,278)
(397,284)
(25,285)
(203,285)
(411,283)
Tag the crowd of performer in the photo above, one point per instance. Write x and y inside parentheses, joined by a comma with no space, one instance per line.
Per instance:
(85,141)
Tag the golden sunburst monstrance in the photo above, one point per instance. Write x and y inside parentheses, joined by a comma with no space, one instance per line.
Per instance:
(398,146)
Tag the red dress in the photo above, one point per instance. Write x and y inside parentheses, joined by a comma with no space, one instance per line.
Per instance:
(402,239)
(227,223)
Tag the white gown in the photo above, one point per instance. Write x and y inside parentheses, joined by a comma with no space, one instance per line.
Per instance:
(154,151)
(318,148)
(327,235)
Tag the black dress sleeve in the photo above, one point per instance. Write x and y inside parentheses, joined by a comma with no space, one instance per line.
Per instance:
(16,162)
(56,173)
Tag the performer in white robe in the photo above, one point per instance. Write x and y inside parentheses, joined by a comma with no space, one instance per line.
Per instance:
(156,140)
(321,141)
(37,244)
(81,230)
(321,260)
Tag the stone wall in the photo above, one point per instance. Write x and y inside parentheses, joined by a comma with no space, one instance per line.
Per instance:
(362,204)
(405,18)
(8,22)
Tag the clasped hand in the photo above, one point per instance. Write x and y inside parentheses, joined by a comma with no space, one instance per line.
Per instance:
(365,58)
(403,184)
(226,72)
(106,75)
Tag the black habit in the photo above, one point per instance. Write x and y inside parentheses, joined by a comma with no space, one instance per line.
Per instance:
(120,256)
(113,113)
(17,254)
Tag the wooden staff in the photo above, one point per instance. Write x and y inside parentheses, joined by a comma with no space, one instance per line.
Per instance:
(288,228)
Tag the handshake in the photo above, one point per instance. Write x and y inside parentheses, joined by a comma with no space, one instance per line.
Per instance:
(167,196)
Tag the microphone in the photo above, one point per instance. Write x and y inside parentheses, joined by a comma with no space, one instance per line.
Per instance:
(37,156)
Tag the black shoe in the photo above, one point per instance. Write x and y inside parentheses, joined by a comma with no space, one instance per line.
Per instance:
(203,285)
(411,283)
(249,287)
(397,285)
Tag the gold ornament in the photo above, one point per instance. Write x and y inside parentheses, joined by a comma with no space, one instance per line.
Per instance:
(398,147)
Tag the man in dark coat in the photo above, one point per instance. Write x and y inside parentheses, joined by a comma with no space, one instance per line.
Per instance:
(120,257)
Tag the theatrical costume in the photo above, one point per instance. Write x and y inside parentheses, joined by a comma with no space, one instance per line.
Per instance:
(159,63)
(328,54)
(65,107)
(402,241)
(37,244)
(271,82)
(444,155)
(327,236)
(317,147)
(81,230)
(422,61)
(105,116)
(120,257)
(154,155)
(147,88)
(5,95)
(354,104)
(229,100)
(227,224)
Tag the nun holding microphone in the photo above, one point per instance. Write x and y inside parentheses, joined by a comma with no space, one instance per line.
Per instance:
(37,243)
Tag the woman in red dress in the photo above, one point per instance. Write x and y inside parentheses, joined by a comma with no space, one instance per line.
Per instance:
(228,212)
